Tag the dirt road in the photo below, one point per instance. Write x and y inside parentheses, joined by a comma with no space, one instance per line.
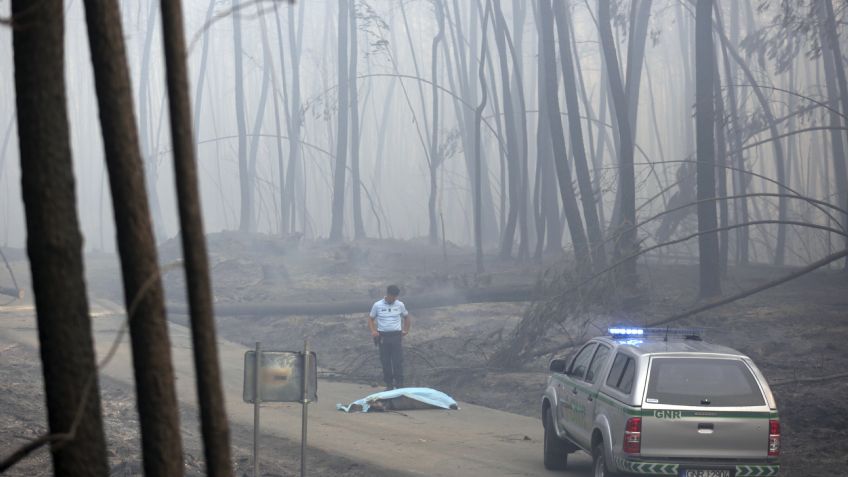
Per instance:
(474,441)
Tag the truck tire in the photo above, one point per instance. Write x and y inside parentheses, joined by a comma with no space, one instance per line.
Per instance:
(599,462)
(556,449)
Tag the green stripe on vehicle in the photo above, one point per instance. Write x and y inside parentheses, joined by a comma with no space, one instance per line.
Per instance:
(756,470)
(657,468)
(653,468)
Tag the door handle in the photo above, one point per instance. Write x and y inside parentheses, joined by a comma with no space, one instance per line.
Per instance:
(591,398)
(574,391)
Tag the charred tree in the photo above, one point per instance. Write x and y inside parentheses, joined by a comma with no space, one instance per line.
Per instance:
(705,137)
(435,153)
(356,184)
(477,177)
(201,74)
(578,148)
(154,374)
(626,198)
(210,394)
(563,170)
(513,156)
(151,164)
(245,181)
(54,241)
(835,79)
(467,79)
(338,209)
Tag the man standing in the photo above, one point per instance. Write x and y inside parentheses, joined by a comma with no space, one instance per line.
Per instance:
(389,323)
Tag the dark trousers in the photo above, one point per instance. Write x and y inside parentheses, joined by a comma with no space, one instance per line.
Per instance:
(391,357)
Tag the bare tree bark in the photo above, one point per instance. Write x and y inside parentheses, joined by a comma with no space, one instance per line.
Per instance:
(154,374)
(478,160)
(54,241)
(435,153)
(201,74)
(358,226)
(338,209)
(547,222)
(626,178)
(740,181)
(779,161)
(578,148)
(514,156)
(835,67)
(151,164)
(720,171)
(245,180)
(563,170)
(708,256)
(210,394)
(466,76)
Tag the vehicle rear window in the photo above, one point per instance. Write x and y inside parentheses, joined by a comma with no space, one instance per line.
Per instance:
(598,362)
(621,374)
(702,382)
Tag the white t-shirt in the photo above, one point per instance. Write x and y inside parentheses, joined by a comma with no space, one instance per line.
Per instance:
(388,316)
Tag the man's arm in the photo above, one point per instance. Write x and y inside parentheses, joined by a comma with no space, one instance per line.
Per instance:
(372,326)
(407,320)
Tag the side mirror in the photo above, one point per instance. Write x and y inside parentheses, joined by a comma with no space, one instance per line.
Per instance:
(558,365)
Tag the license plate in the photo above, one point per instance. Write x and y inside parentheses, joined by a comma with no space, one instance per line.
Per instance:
(706,473)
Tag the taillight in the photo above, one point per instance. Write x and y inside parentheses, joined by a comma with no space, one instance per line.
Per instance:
(774,438)
(633,436)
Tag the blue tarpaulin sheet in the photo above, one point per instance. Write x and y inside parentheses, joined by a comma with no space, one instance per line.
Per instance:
(400,399)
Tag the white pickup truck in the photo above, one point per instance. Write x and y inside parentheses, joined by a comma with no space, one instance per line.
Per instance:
(661,402)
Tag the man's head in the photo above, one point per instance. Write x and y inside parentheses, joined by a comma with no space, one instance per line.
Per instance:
(392,292)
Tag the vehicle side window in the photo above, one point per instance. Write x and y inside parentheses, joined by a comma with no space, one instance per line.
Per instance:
(622,373)
(581,361)
(598,363)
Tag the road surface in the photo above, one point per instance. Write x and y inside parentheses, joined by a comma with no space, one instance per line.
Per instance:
(473,441)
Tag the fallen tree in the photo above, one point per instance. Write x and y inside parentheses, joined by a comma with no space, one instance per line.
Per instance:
(499,294)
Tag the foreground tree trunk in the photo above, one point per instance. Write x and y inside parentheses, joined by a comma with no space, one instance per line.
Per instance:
(54,242)
(210,394)
(705,130)
(154,375)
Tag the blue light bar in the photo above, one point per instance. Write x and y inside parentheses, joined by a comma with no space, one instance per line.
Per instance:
(626,331)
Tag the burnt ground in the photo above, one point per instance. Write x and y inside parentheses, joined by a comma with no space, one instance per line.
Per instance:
(22,418)
(795,331)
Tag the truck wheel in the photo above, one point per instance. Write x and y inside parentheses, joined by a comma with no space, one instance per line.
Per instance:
(556,449)
(599,463)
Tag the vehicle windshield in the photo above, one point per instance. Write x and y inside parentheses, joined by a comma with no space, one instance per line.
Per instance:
(702,382)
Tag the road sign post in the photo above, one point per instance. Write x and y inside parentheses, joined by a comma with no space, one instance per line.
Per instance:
(257,398)
(280,376)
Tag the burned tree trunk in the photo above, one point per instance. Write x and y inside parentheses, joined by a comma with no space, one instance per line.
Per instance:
(578,148)
(705,130)
(356,184)
(245,181)
(435,153)
(210,394)
(563,170)
(154,375)
(338,209)
(627,244)
(54,241)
